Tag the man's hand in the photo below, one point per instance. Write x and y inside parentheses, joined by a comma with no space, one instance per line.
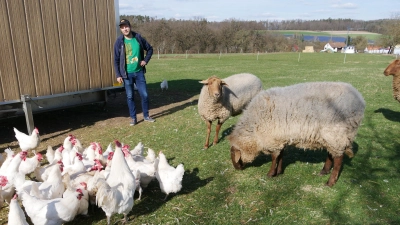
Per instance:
(119,79)
(142,63)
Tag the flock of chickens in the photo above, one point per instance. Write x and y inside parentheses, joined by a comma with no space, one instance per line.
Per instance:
(76,177)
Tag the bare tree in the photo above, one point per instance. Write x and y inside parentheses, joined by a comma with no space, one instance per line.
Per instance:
(202,36)
(360,43)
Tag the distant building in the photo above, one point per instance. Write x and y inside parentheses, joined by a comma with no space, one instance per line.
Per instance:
(377,49)
(328,48)
(349,49)
(337,46)
(396,49)
(309,49)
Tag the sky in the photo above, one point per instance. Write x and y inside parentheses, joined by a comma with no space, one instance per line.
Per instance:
(261,10)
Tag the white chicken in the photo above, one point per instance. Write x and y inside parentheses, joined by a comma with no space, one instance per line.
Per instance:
(76,167)
(50,152)
(146,168)
(68,142)
(115,195)
(137,180)
(12,172)
(57,155)
(3,182)
(164,85)
(150,157)
(94,151)
(27,142)
(70,189)
(51,188)
(15,215)
(42,172)
(96,165)
(29,165)
(9,157)
(77,144)
(138,149)
(68,150)
(169,178)
(51,212)
(108,150)
(91,184)
(106,171)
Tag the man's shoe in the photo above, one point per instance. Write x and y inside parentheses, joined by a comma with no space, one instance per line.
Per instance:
(133,123)
(149,119)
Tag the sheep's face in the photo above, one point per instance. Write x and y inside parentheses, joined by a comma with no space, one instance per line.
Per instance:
(393,68)
(214,85)
(236,158)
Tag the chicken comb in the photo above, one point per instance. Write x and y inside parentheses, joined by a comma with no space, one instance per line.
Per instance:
(117,143)
(110,155)
(39,156)
(3,181)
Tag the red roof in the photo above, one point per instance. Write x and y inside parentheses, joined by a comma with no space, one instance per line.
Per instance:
(337,44)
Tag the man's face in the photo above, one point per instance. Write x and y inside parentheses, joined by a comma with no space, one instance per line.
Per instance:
(125,29)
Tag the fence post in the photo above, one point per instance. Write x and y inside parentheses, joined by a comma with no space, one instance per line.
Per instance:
(27,107)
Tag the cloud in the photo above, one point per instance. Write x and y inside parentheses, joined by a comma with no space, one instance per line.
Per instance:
(345,6)
(268,15)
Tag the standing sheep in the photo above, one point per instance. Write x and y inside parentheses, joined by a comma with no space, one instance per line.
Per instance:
(319,115)
(394,69)
(220,99)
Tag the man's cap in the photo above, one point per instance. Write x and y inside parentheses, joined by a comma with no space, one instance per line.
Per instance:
(124,22)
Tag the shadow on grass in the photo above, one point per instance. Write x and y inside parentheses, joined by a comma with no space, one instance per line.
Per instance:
(291,155)
(373,176)
(389,114)
(153,198)
(70,119)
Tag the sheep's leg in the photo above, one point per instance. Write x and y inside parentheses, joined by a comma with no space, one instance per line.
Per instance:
(208,123)
(279,168)
(236,158)
(216,133)
(327,166)
(337,165)
(276,166)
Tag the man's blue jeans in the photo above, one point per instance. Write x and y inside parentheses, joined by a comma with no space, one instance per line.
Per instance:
(140,81)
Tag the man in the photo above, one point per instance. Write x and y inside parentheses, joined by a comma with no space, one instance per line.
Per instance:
(129,64)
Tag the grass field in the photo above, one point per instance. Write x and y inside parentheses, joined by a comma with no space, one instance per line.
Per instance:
(352,34)
(368,189)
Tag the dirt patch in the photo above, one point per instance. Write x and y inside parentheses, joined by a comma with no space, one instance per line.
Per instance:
(54,126)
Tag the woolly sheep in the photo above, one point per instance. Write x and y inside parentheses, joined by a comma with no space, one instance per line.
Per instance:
(394,69)
(316,115)
(221,98)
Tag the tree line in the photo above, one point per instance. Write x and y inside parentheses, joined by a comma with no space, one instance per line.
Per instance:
(234,36)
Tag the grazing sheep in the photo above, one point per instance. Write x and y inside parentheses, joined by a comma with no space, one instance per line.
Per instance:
(320,115)
(220,99)
(394,69)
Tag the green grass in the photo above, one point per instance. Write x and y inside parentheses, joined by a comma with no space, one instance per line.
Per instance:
(367,35)
(213,192)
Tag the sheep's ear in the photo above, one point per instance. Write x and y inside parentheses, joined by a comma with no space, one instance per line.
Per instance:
(204,82)
(235,156)
(223,83)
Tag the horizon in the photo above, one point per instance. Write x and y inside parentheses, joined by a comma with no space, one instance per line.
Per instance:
(223,10)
